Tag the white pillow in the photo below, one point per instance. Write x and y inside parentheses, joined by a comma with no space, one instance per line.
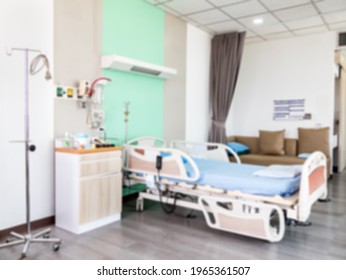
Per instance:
(279,171)
(304,155)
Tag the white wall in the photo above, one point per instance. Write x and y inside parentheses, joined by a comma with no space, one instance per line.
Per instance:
(300,67)
(175,89)
(197,84)
(27,24)
(77,55)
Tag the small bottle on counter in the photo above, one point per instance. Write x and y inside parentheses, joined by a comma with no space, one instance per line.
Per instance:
(68,141)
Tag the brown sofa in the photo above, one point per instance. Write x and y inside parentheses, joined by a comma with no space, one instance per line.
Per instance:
(290,156)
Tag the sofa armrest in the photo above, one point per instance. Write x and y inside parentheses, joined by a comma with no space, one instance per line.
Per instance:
(231,139)
(251,141)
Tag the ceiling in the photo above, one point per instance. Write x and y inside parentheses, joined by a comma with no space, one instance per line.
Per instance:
(281,18)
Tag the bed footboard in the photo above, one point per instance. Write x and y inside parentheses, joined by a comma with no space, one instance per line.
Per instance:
(313,186)
(248,218)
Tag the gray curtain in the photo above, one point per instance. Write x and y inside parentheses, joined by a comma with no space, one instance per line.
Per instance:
(226,53)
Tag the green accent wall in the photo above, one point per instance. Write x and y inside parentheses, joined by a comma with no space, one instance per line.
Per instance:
(134,29)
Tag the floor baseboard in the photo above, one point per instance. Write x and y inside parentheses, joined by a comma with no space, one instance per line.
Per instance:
(22,228)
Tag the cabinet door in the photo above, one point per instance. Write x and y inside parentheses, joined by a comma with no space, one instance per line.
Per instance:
(99,197)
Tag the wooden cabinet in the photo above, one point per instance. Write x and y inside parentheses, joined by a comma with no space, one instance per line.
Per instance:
(88,188)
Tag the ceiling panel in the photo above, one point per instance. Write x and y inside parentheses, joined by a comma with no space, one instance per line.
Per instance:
(304,23)
(268,19)
(267,29)
(219,3)
(209,17)
(331,5)
(335,17)
(187,7)
(280,4)
(152,1)
(226,26)
(244,9)
(296,13)
(155,2)
(311,30)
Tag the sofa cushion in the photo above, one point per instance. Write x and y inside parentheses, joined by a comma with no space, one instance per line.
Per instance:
(272,142)
(313,139)
(291,147)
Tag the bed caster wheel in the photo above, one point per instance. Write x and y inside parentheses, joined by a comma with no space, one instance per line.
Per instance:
(56,247)
(22,256)
(45,236)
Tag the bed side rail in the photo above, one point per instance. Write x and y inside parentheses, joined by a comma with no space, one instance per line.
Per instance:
(212,151)
(176,164)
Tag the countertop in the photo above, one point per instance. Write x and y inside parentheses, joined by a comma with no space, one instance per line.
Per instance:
(87,151)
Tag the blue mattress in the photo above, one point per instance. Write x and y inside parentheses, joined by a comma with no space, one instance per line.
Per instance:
(232,176)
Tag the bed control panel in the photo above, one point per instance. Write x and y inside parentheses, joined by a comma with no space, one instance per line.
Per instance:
(159,163)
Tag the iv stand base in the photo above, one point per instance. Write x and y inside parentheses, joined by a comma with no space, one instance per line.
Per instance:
(27,239)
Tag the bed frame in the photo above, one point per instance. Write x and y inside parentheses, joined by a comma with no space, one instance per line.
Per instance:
(257,216)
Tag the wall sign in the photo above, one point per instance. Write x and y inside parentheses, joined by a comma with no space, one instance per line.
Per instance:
(290,109)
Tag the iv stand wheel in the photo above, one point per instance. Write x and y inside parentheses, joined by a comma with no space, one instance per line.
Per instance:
(28,238)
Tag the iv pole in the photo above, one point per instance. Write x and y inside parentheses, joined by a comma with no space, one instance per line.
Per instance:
(42,236)
(126,119)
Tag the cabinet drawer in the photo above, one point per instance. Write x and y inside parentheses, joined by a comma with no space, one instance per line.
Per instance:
(100,166)
(98,156)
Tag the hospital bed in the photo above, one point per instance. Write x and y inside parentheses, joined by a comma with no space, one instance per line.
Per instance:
(230,195)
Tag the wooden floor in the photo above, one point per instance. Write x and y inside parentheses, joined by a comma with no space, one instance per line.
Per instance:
(153,234)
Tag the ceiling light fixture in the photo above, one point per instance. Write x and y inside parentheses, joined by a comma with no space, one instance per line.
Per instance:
(257,21)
